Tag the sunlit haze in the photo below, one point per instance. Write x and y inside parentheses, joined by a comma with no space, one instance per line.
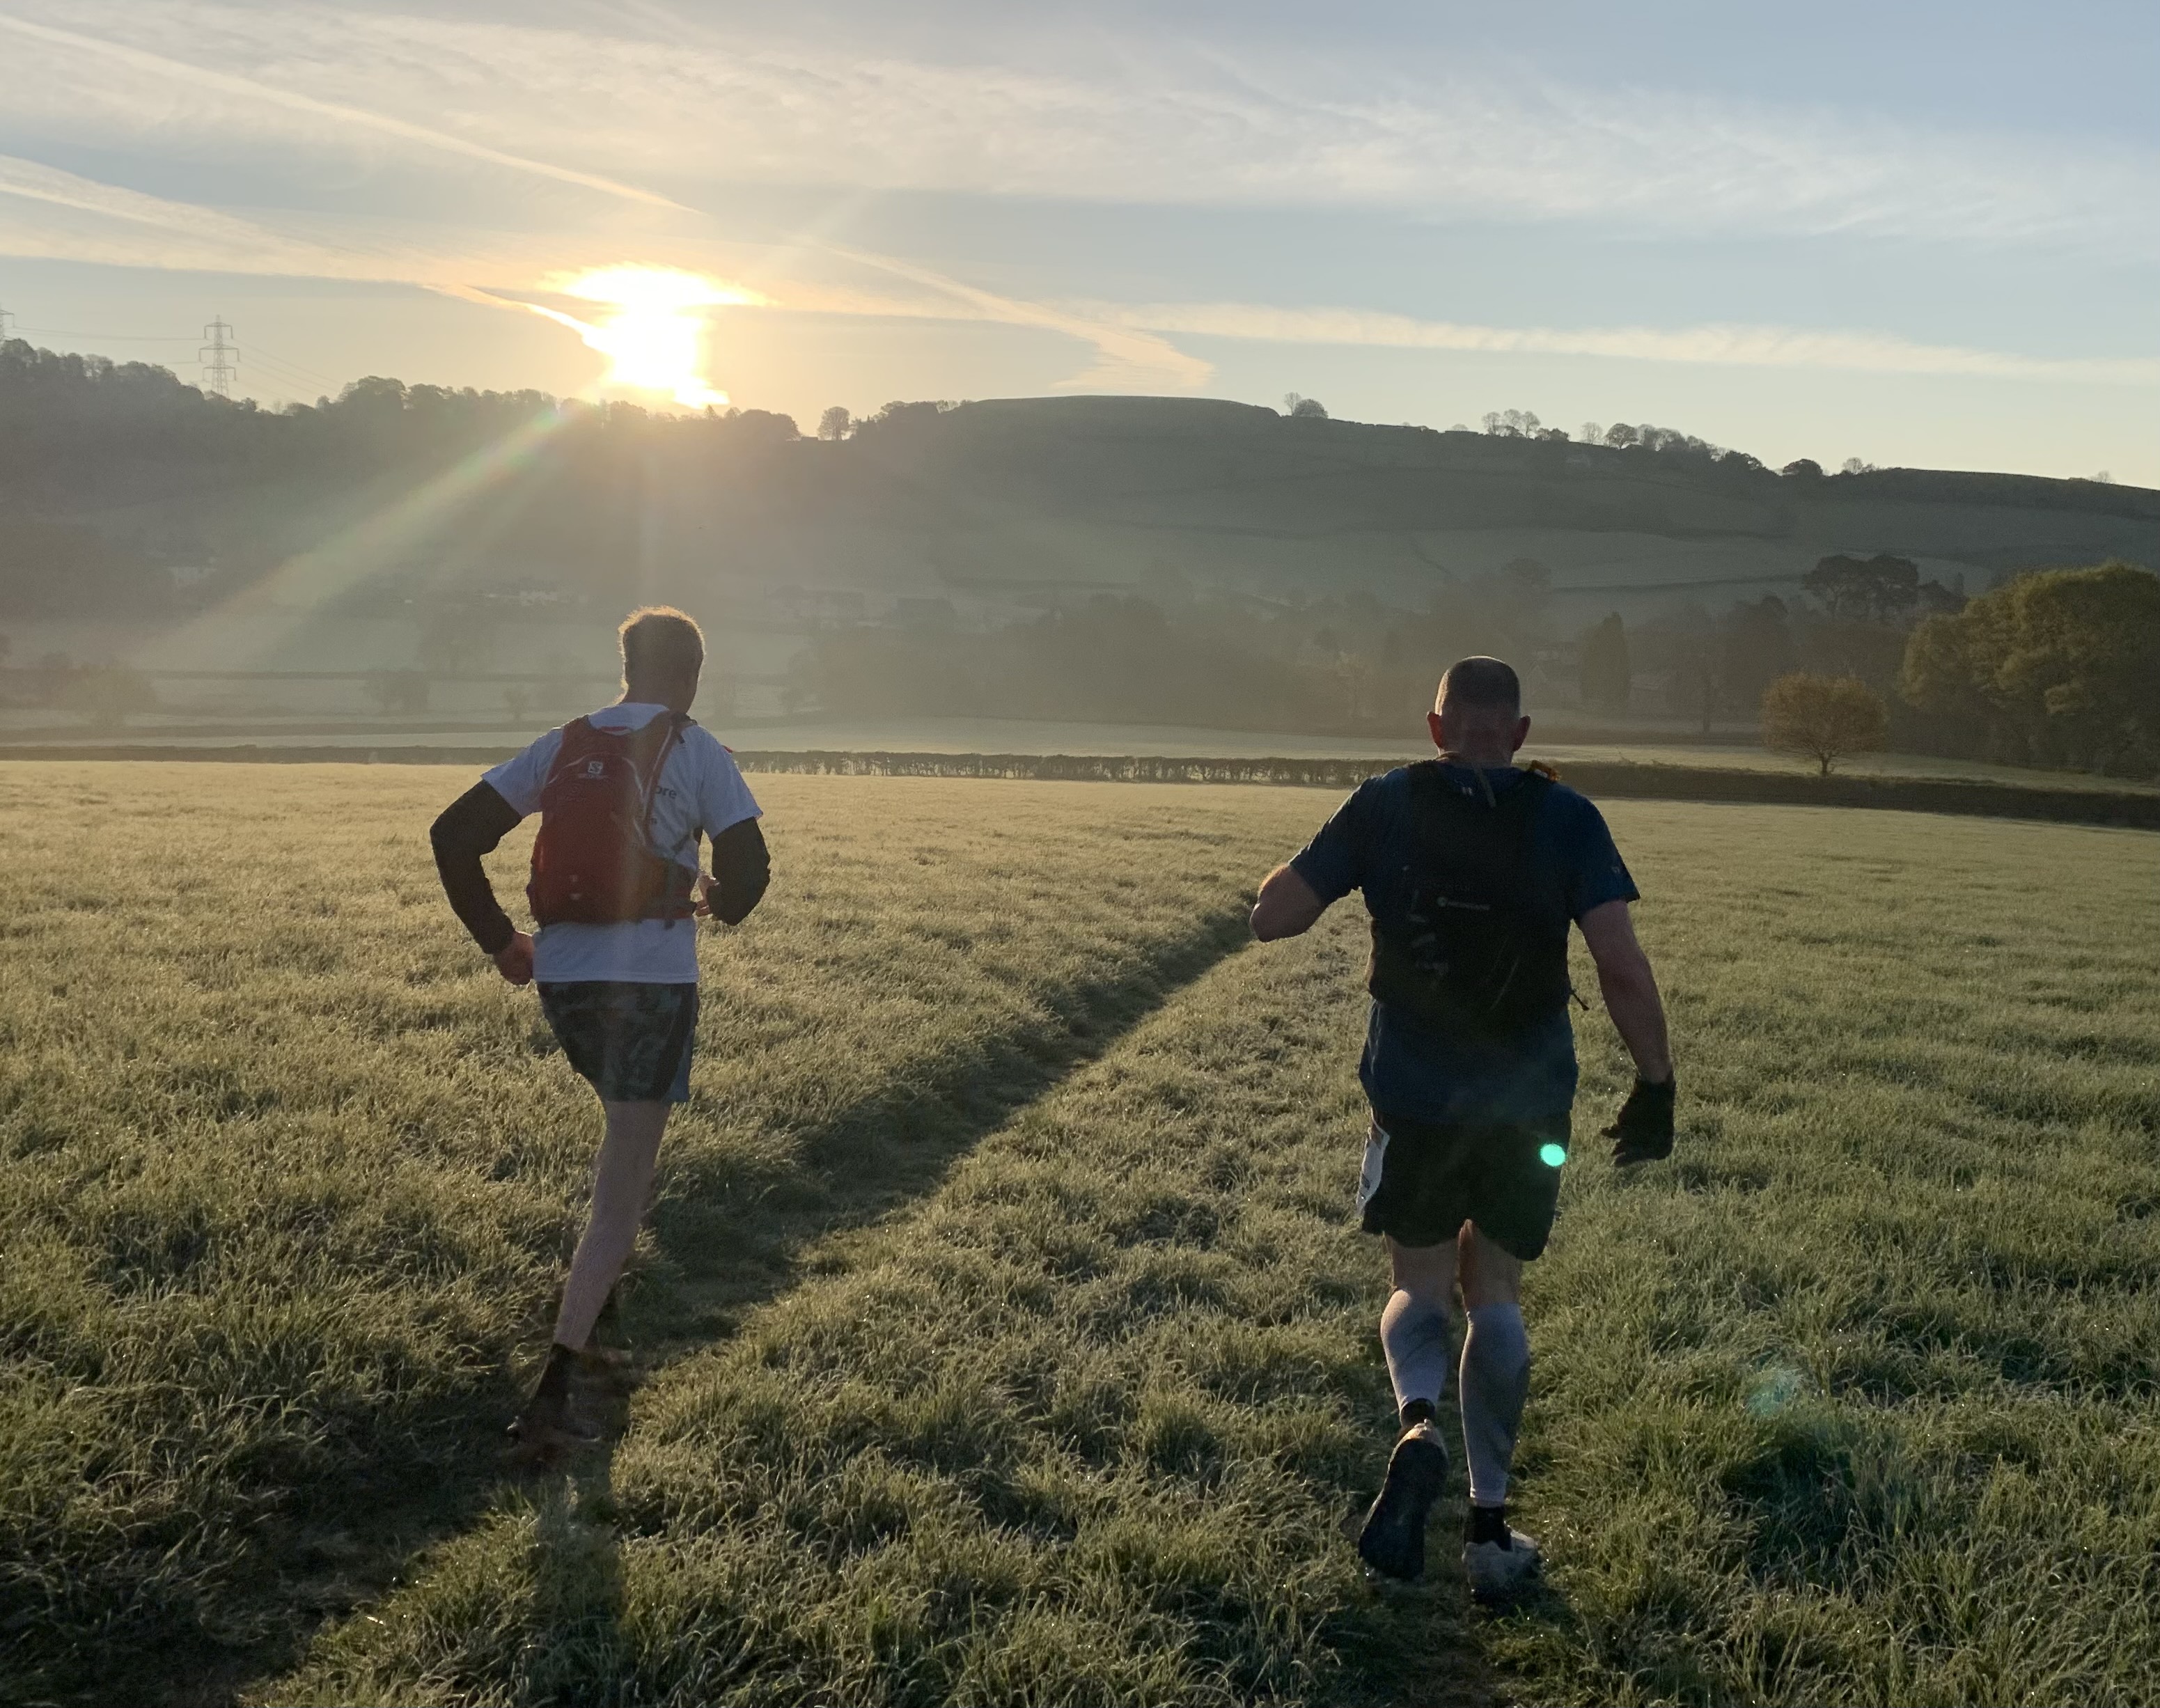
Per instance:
(654,334)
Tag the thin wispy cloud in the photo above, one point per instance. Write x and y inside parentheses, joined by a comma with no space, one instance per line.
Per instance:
(208,77)
(477,153)
(121,227)
(1712,346)
(1128,357)
(1173,124)
(127,228)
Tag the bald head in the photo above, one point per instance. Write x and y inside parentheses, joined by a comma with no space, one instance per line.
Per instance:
(1486,684)
(1478,715)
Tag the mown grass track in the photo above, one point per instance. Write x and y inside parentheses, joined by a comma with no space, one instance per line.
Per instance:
(1852,1402)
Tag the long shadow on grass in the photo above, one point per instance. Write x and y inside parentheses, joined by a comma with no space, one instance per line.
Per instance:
(725,1245)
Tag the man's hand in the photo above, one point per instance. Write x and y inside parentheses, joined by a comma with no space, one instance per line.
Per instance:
(702,908)
(1644,1132)
(514,959)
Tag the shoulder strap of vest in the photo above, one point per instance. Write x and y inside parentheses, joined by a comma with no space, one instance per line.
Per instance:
(574,734)
(1434,799)
(677,722)
(1428,800)
(1532,786)
(1428,781)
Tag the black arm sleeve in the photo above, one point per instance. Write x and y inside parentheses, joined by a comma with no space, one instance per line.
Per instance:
(741,869)
(471,826)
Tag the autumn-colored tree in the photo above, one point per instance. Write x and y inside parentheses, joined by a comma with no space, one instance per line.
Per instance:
(1823,718)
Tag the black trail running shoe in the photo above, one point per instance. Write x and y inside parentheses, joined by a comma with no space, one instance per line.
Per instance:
(1392,1541)
(550,1425)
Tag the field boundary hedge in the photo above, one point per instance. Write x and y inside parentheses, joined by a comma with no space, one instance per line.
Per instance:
(1615,780)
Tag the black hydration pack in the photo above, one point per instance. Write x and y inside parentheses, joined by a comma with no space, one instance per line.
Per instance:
(1481,950)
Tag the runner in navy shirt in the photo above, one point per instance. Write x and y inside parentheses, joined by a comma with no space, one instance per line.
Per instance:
(1472,871)
(1411,1068)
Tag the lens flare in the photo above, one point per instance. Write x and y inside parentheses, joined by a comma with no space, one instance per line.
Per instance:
(1552,1155)
(653,333)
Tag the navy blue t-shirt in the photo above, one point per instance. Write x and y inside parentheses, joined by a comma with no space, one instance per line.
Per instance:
(1411,1068)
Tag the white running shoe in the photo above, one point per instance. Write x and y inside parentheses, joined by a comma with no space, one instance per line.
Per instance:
(1498,1570)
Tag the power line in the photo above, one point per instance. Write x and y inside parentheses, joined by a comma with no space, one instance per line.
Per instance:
(258,353)
(265,363)
(280,366)
(103,337)
(218,368)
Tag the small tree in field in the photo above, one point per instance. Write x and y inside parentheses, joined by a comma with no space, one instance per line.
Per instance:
(1823,718)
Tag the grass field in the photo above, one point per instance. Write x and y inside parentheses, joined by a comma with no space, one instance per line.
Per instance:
(1003,1334)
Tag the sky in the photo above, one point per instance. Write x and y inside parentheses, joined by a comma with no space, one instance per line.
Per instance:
(1921,235)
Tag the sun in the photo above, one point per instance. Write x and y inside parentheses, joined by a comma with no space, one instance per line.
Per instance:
(653,332)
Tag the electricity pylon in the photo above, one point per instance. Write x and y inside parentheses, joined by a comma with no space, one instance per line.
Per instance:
(217,358)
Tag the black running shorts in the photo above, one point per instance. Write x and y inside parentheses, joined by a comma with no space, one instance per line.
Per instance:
(631,1042)
(1421,1182)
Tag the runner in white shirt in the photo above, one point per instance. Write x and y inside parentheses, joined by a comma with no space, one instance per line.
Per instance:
(700,790)
(621,991)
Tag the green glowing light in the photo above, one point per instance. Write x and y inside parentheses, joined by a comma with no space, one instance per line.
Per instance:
(1552,1155)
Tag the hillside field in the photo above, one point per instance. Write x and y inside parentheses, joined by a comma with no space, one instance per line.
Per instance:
(1002,1334)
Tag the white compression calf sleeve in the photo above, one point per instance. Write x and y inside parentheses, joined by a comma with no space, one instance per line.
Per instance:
(1496,1381)
(1414,1335)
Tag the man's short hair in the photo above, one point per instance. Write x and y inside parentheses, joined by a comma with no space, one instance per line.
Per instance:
(657,639)
(1483,684)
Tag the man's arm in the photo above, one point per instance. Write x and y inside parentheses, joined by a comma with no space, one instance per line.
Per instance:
(470,828)
(1287,906)
(742,868)
(1643,1132)
(1630,988)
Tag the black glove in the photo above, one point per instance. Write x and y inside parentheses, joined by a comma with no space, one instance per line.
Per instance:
(1644,1132)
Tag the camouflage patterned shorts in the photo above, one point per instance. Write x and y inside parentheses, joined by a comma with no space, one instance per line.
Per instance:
(631,1041)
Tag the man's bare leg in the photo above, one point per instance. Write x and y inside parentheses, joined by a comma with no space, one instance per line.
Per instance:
(1489,1274)
(622,1187)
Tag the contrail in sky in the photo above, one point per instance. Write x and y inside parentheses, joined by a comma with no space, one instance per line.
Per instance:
(143,60)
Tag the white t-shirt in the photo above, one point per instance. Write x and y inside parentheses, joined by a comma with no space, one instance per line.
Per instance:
(700,789)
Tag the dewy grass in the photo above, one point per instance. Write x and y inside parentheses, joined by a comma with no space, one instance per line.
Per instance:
(1849,1403)
(1852,1401)
(1079,1429)
(290,1175)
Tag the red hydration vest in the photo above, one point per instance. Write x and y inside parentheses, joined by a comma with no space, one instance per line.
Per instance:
(594,862)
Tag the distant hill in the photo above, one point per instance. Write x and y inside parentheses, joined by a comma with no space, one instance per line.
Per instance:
(1125,488)
(122,489)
